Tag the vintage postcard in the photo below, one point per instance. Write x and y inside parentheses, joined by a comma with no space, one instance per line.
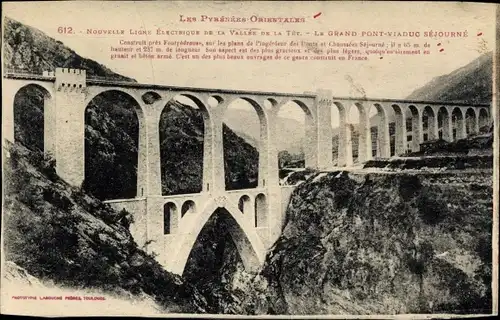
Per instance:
(270,158)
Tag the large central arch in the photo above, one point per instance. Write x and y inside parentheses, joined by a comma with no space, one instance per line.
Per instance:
(242,232)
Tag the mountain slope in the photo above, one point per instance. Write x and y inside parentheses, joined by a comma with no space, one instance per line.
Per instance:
(30,50)
(111,139)
(471,83)
(61,235)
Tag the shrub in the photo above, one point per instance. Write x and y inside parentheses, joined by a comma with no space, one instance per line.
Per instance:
(59,200)
(125,218)
(48,168)
(409,186)
(431,211)
(31,196)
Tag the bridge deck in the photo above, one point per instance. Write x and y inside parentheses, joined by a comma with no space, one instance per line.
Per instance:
(129,84)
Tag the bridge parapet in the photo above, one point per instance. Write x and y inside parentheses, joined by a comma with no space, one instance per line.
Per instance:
(250,192)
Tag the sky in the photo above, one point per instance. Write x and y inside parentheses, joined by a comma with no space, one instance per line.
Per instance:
(392,77)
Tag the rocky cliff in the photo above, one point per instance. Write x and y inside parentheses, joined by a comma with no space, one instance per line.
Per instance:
(29,50)
(384,243)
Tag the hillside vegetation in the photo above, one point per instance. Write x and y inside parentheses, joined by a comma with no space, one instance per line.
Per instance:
(63,236)
(30,50)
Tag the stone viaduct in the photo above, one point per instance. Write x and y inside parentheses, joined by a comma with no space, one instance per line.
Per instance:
(172,223)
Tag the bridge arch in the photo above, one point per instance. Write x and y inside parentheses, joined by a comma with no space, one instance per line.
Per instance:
(470,121)
(257,135)
(188,207)
(299,155)
(47,87)
(415,127)
(94,92)
(117,142)
(444,124)
(343,155)
(301,104)
(380,143)
(33,116)
(359,127)
(177,176)
(244,235)
(245,204)
(261,210)
(483,120)
(170,218)
(429,124)
(150,97)
(457,118)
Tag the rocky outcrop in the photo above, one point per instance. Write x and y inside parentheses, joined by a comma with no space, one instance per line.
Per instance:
(389,244)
